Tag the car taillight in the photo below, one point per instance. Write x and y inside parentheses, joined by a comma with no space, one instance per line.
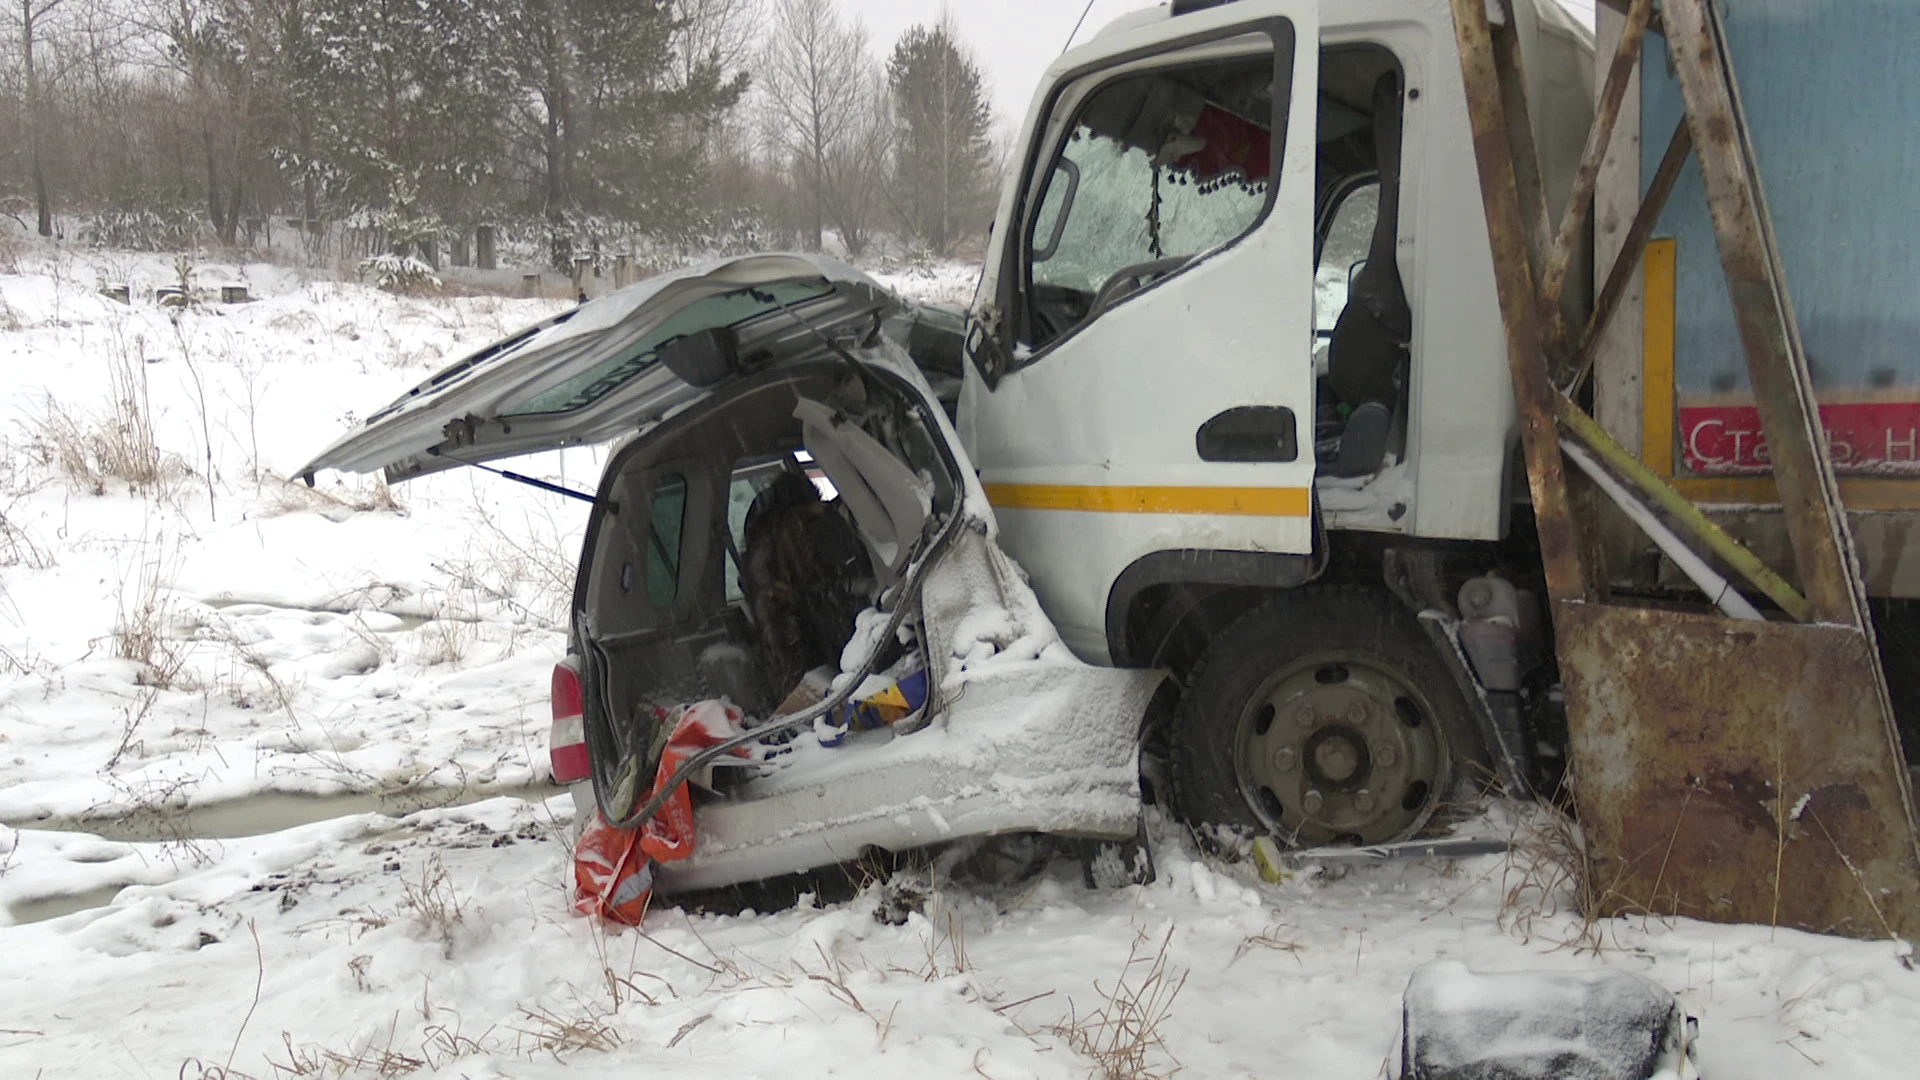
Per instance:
(567,746)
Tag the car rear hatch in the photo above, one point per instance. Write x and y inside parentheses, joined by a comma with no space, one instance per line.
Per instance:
(598,371)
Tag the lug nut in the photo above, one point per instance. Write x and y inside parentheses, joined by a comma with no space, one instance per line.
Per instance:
(1312,802)
(1308,716)
(1284,759)
(1386,755)
(1363,802)
(1357,713)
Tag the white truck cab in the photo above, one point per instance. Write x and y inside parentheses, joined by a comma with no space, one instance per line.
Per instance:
(1237,370)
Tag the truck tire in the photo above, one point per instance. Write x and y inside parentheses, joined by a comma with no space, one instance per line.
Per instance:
(1323,717)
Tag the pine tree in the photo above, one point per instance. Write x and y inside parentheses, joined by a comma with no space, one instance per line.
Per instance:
(942,157)
(616,110)
(399,96)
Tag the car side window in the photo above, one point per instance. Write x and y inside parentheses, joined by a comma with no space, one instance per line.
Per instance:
(1157,168)
(668,512)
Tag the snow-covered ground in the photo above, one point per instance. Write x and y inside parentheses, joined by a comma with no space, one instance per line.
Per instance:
(219,697)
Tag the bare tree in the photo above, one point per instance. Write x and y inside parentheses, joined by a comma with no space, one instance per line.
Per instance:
(816,77)
(718,33)
(34,24)
(856,173)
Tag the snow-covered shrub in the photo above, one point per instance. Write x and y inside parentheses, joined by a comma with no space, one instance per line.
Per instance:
(12,240)
(402,274)
(141,230)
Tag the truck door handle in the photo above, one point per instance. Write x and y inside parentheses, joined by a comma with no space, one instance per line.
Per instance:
(1250,433)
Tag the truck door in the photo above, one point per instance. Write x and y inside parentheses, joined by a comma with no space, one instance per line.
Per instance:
(1143,346)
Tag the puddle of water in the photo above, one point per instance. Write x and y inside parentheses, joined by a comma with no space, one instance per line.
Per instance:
(274,811)
(54,907)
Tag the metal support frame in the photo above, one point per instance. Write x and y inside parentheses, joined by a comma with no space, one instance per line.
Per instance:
(1632,250)
(1573,222)
(1510,183)
(1730,770)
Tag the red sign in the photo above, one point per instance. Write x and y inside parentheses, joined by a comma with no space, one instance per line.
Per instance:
(1878,437)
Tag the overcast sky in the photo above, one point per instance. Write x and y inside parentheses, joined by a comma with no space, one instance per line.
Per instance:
(1015,40)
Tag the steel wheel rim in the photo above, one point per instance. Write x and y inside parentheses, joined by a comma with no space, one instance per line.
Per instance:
(1339,748)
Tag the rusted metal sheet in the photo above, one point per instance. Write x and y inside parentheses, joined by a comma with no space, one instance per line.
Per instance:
(1738,772)
(1495,146)
(1776,358)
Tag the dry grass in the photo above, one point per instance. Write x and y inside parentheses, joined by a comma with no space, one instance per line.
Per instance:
(116,442)
(446,638)
(1123,1037)
(18,547)
(336,501)
(433,906)
(439,1045)
(1548,876)
(1274,939)
(143,633)
(143,624)
(949,939)
(548,1032)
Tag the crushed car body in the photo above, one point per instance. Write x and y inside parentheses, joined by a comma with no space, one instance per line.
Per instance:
(789,526)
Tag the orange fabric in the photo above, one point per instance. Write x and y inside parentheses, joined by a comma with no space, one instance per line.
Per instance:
(613,868)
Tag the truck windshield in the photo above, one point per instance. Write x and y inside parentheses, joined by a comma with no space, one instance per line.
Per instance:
(1157,168)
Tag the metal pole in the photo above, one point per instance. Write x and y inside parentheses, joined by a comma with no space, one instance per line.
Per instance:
(1513,262)
(1574,220)
(1631,251)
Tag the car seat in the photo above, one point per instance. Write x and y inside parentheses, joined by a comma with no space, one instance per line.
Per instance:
(1368,356)
(799,576)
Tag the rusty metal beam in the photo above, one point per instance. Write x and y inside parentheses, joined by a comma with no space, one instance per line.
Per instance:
(1573,220)
(1656,26)
(1511,83)
(1513,264)
(1776,358)
(1620,278)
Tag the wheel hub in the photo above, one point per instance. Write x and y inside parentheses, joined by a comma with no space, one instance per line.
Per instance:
(1337,758)
(1340,749)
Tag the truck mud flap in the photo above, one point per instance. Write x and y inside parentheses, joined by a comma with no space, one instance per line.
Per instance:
(1737,772)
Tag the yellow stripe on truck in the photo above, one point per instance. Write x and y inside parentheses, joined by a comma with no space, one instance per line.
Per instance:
(1225,501)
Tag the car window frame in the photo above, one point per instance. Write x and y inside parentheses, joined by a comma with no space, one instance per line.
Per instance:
(1016,267)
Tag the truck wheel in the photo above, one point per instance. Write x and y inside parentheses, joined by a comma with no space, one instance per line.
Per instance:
(1321,718)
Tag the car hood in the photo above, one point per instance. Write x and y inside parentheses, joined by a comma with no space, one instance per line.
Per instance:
(594,372)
